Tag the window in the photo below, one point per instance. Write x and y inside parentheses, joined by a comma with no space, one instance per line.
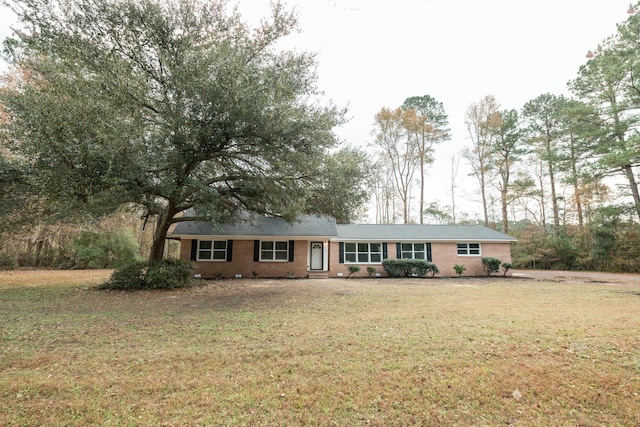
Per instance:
(363,253)
(469,249)
(274,251)
(212,250)
(413,250)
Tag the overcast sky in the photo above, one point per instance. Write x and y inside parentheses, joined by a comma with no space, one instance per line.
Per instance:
(376,53)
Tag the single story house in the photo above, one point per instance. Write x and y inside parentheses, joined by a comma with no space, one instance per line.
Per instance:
(315,246)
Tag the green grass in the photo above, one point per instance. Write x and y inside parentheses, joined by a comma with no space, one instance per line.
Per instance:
(328,352)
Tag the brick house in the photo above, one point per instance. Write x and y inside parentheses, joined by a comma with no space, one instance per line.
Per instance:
(315,246)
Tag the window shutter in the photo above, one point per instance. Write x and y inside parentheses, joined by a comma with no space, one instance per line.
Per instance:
(341,253)
(429,252)
(385,251)
(256,250)
(291,248)
(399,250)
(194,250)
(229,250)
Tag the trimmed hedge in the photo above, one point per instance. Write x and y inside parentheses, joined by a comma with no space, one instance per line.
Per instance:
(409,267)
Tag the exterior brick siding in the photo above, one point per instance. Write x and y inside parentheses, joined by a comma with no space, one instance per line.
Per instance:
(242,262)
(445,255)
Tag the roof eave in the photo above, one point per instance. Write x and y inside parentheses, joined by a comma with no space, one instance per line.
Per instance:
(424,239)
(246,237)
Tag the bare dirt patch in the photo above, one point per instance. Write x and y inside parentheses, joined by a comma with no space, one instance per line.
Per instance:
(577,276)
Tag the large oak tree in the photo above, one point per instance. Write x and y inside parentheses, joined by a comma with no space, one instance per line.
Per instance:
(167,106)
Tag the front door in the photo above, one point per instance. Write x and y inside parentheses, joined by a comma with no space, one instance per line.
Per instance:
(316,255)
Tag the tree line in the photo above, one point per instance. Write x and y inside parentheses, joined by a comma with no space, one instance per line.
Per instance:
(559,173)
(168,110)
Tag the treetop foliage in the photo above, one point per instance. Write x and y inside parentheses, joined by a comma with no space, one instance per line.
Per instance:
(405,137)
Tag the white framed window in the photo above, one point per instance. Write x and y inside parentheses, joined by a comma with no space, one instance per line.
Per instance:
(469,249)
(212,250)
(363,253)
(413,250)
(274,250)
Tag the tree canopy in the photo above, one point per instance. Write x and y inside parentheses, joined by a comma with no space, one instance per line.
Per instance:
(168,106)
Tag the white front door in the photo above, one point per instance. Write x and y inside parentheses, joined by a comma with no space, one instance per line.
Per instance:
(316,255)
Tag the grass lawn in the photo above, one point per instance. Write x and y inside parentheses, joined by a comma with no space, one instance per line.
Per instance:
(344,352)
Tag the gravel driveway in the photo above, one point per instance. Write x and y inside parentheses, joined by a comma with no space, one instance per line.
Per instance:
(586,276)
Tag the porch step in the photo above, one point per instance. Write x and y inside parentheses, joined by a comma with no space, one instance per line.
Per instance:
(318,274)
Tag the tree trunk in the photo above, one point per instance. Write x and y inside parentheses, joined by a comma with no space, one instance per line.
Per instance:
(504,193)
(552,182)
(160,235)
(422,189)
(578,198)
(484,197)
(554,200)
(576,187)
(503,200)
(543,203)
(454,172)
(405,209)
(628,170)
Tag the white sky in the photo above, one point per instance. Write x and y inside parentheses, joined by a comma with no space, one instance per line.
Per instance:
(376,53)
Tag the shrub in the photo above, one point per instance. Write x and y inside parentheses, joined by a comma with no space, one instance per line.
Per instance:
(94,250)
(490,265)
(409,267)
(459,269)
(353,269)
(392,267)
(167,274)
(432,268)
(127,278)
(506,267)
(371,271)
(6,261)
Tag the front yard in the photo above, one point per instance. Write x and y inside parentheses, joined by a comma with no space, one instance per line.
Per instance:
(489,351)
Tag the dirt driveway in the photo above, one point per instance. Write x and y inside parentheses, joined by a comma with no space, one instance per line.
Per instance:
(581,276)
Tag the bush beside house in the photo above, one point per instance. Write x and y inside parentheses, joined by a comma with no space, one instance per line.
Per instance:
(409,267)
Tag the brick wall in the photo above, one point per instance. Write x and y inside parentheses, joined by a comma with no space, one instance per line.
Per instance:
(445,255)
(242,262)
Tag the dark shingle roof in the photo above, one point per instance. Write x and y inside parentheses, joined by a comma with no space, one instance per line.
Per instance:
(255,225)
(390,232)
(323,226)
